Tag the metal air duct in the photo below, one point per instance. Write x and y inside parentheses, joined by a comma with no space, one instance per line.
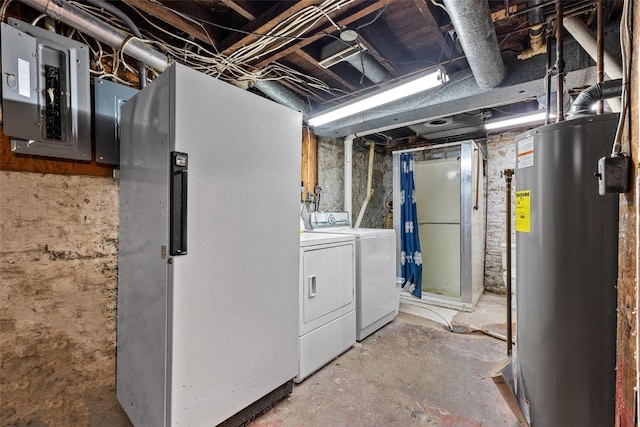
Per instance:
(354,54)
(142,73)
(472,22)
(282,95)
(594,93)
(365,64)
(93,27)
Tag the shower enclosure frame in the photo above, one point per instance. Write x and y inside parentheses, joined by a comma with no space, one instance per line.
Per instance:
(471,238)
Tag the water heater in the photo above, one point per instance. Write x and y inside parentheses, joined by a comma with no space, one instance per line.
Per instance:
(566,272)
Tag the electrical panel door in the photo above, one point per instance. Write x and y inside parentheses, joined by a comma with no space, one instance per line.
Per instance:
(45,92)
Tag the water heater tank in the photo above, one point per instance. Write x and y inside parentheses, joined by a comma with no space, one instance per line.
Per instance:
(566,235)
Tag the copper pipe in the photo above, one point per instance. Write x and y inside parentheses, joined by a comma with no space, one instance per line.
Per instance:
(600,50)
(547,79)
(559,61)
(508,176)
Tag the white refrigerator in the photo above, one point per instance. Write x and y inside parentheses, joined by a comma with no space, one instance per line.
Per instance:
(208,252)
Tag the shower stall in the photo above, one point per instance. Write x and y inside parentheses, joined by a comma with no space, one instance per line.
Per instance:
(450,193)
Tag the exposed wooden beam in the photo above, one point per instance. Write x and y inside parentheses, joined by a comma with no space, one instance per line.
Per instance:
(326,71)
(239,8)
(374,6)
(433,26)
(158,11)
(272,17)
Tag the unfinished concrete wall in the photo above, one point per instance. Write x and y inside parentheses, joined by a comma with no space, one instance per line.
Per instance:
(331,179)
(501,155)
(58,270)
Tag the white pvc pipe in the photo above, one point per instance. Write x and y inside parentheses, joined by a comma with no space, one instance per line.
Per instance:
(583,36)
(369,186)
(348,173)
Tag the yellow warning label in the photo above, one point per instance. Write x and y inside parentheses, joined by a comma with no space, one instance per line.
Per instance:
(523,211)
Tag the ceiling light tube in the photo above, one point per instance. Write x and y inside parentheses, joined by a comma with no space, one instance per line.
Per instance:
(515,121)
(383,97)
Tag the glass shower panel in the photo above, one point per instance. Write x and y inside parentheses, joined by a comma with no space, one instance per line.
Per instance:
(438,204)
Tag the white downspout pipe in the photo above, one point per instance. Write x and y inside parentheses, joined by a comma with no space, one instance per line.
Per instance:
(583,36)
(348,174)
(369,186)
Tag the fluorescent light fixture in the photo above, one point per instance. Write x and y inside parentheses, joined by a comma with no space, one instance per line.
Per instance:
(520,120)
(383,97)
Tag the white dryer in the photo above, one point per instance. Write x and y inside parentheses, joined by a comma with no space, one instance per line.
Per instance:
(327,295)
(377,290)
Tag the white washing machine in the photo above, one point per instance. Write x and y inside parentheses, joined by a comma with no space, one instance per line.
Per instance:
(377,290)
(327,320)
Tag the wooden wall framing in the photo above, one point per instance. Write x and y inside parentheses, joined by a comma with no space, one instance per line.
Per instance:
(309,171)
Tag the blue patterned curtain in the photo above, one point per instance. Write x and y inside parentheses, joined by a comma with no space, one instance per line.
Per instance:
(411,256)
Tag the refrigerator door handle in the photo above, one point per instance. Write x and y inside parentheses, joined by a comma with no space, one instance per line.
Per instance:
(178,208)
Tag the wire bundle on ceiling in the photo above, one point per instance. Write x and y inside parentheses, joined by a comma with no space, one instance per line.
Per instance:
(235,67)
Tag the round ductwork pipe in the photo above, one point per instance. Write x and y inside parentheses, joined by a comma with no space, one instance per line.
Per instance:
(472,22)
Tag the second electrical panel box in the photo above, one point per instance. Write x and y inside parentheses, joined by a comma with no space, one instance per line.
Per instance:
(45,92)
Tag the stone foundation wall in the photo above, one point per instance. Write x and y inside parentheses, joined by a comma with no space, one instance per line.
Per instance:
(331,179)
(501,156)
(58,274)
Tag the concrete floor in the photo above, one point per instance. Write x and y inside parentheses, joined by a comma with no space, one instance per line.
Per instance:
(412,372)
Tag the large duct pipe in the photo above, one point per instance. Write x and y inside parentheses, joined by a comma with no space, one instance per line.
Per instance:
(93,27)
(282,95)
(365,64)
(472,22)
(598,92)
(348,174)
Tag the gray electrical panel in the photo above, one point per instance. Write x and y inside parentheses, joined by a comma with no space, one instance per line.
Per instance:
(109,98)
(45,92)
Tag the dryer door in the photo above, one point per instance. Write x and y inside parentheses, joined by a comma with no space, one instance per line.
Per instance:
(328,288)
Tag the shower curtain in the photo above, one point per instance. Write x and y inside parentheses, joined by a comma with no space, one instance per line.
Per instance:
(411,257)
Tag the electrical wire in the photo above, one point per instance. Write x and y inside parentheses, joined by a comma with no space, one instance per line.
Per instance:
(625,44)
(3,9)
(212,63)
(435,3)
(446,322)
(375,18)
